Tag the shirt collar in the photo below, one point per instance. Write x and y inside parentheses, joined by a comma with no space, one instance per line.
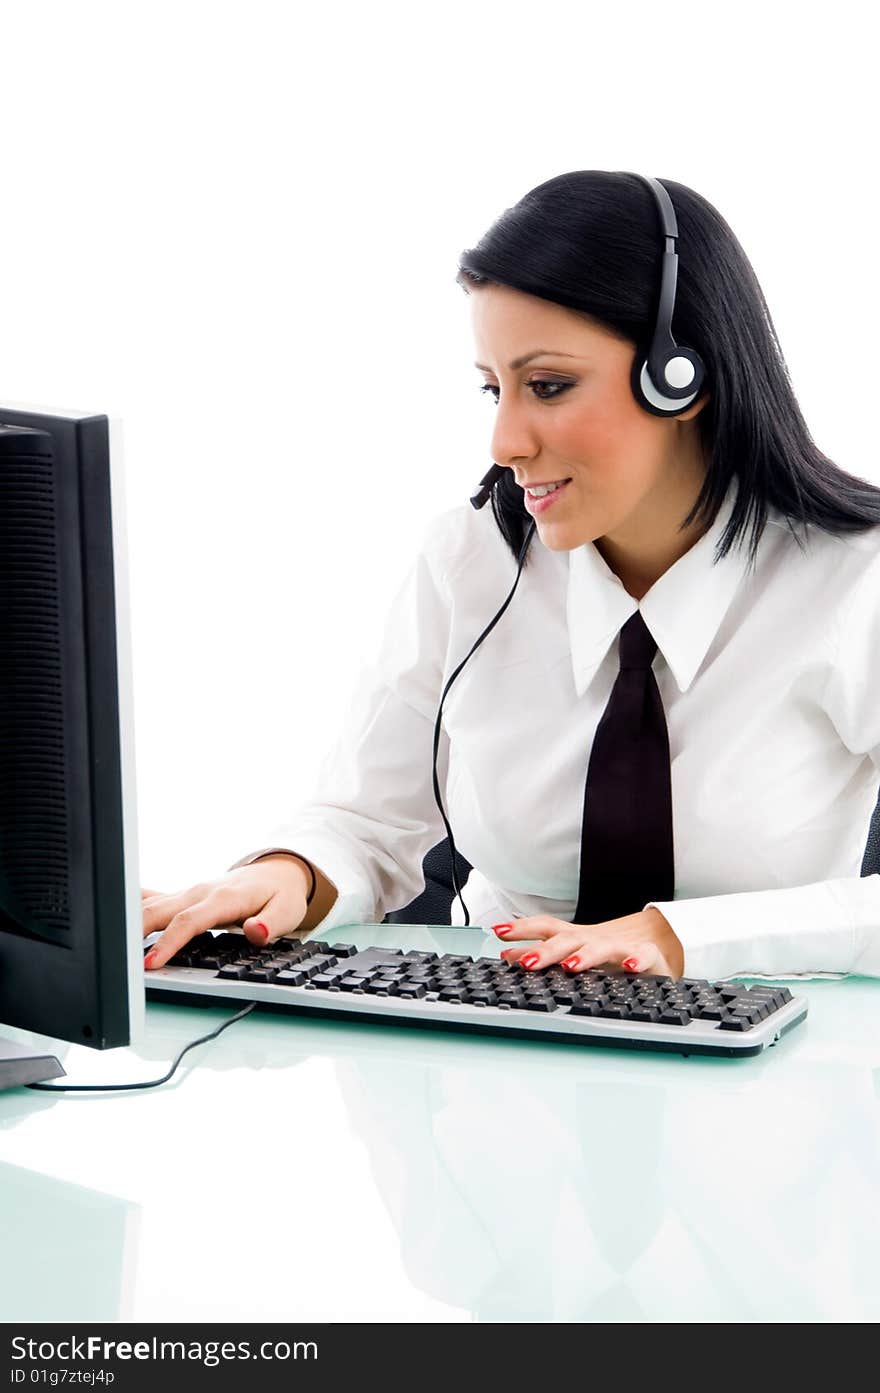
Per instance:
(683,609)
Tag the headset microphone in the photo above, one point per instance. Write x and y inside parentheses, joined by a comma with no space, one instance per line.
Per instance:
(487,483)
(664,381)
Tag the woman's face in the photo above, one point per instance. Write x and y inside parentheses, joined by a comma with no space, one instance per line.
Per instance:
(570,413)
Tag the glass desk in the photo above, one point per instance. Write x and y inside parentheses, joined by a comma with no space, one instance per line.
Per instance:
(297,1170)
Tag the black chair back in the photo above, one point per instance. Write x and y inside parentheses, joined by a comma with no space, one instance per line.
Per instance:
(434,904)
(871,858)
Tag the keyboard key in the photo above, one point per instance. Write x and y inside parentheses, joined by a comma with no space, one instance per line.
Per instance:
(483,997)
(233,970)
(754,1014)
(754,1006)
(290,977)
(412,989)
(309,969)
(675,1018)
(735,1023)
(541,1003)
(230,941)
(773,997)
(512,999)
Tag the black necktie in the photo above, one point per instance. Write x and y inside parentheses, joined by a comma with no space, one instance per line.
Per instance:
(626,836)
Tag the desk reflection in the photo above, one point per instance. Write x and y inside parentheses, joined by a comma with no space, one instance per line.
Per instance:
(69,1253)
(548,1199)
(543,1182)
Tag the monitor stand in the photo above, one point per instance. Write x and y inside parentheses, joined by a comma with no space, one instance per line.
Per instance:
(22,1064)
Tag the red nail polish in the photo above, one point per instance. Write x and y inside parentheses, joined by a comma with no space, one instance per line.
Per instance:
(631,964)
(502,930)
(570,963)
(496,927)
(529,960)
(261,930)
(150,958)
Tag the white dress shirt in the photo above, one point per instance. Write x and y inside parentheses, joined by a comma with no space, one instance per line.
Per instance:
(770,681)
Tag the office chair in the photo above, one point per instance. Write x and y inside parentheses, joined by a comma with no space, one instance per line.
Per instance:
(434,904)
(871,858)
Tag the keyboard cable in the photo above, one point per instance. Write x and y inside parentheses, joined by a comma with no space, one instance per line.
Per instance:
(150,1083)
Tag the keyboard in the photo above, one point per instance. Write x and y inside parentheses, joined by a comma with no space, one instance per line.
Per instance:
(459,992)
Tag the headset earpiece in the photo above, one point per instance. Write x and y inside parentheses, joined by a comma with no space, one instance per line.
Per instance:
(667,378)
(682,374)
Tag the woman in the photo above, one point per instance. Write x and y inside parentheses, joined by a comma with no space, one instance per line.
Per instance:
(687,526)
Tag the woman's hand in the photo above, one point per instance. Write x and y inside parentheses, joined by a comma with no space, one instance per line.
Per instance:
(642,942)
(267,897)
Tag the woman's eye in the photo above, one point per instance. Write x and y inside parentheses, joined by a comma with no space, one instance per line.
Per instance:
(559,386)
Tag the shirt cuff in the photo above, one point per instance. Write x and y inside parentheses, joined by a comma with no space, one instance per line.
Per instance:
(830,927)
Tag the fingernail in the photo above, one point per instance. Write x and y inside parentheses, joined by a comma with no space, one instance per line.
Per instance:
(260,930)
(631,964)
(502,929)
(529,960)
(570,962)
(150,958)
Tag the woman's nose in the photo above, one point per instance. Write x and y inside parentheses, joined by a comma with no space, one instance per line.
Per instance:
(513,437)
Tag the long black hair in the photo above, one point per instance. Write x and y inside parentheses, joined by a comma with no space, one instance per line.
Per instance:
(590,240)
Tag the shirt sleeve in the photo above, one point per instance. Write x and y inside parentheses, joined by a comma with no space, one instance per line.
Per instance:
(829,926)
(372,816)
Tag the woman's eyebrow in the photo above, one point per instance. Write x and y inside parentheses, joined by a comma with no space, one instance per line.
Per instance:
(527,357)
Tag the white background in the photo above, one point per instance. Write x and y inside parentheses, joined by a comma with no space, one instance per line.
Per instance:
(236,227)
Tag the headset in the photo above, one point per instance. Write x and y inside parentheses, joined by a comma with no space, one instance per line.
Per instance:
(665,383)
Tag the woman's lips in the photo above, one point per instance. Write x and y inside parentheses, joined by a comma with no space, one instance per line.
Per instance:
(540,505)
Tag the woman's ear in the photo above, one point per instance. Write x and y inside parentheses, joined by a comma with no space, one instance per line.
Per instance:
(694,409)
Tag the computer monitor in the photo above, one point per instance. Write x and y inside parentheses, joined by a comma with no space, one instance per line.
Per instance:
(71,937)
